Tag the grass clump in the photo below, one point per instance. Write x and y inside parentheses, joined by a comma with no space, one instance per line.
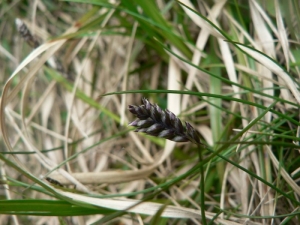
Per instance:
(69,69)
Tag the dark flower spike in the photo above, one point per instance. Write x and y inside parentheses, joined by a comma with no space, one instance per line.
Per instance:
(54,182)
(26,34)
(154,121)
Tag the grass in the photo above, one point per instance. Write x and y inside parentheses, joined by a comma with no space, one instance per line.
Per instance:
(229,69)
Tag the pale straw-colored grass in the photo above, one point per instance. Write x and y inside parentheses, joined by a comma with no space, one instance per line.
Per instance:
(60,107)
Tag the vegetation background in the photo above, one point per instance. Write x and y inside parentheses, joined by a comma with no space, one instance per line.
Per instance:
(229,68)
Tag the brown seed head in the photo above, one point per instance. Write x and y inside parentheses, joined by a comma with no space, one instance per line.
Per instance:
(154,121)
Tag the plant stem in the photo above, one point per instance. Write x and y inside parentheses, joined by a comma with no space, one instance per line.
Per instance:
(202,190)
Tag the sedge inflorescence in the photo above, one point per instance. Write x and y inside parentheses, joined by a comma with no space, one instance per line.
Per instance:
(154,121)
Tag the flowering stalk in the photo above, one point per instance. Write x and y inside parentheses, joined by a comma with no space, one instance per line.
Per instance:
(154,121)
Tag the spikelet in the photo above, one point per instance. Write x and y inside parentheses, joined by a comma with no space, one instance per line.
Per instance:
(54,182)
(154,121)
(26,34)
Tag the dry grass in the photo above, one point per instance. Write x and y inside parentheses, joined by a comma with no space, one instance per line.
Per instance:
(241,95)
